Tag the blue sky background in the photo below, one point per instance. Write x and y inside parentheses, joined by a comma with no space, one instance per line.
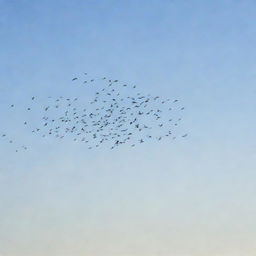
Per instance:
(193,197)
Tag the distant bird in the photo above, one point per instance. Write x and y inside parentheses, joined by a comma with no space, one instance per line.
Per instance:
(107,117)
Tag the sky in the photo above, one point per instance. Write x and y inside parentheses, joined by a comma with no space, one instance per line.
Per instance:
(191,197)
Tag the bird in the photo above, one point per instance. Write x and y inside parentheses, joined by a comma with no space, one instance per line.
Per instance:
(110,116)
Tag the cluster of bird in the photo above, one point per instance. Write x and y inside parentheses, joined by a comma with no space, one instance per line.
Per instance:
(116,115)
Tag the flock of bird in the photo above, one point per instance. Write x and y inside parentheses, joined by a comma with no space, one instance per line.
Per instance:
(117,114)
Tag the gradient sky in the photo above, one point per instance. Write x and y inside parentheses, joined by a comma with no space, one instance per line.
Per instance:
(194,197)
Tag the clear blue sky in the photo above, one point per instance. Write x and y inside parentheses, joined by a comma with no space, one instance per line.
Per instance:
(194,197)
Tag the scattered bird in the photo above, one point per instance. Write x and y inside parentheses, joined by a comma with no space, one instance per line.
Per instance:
(114,116)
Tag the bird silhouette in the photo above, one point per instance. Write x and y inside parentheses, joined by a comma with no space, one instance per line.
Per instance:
(113,116)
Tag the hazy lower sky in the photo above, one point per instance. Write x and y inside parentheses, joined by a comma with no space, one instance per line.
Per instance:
(192,197)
